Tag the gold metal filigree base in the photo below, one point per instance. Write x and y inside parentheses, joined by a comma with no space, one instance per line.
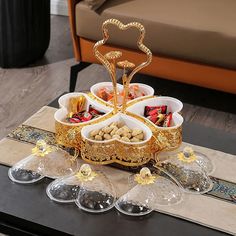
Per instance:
(116,152)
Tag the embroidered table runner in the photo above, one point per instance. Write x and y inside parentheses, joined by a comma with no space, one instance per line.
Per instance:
(215,209)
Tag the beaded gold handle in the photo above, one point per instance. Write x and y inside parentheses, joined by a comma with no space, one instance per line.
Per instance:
(110,65)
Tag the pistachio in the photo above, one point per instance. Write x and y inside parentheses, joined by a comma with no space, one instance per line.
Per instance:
(139,136)
(120,124)
(126,134)
(116,136)
(126,128)
(134,140)
(107,136)
(113,131)
(94,132)
(107,130)
(119,131)
(136,132)
(98,137)
(125,139)
(114,124)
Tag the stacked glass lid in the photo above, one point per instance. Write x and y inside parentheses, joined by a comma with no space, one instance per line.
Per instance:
(92,191)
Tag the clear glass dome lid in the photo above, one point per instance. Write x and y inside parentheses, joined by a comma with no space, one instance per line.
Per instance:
(26,171)
(45,161)
(65,189)
(189,169)
(149,192)
(96,193)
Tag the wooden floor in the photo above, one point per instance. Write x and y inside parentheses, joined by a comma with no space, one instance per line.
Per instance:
(24,91)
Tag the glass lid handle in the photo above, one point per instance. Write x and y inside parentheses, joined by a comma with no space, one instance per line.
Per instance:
(85,173)
(145,177)
(41,149)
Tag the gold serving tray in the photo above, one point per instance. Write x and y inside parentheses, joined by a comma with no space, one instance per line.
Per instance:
(157,139)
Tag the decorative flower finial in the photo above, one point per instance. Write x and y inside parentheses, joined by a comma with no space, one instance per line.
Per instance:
(126,64)
(187,155)
(85,173)
(41,149)
(145,177)
(112,55)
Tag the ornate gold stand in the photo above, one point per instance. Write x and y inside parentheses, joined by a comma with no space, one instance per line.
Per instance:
(115,151)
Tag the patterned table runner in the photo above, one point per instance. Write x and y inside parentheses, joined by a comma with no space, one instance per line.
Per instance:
(215,209)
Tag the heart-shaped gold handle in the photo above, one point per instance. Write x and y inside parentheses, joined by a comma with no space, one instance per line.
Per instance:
(111,65)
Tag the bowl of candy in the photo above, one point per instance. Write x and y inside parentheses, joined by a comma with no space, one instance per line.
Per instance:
(104,92)
(76,111)
(119,139)
(162,114)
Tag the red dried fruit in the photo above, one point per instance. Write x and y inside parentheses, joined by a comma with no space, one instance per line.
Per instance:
(94,112)
(74,120)
(167,120)
(151,110)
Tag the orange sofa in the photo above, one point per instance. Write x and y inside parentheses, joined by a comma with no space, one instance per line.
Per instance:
(192,42)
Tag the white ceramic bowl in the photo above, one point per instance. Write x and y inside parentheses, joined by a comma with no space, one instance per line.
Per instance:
(129,121)
(148,90)
(63,101)
(115,150)
(173,105)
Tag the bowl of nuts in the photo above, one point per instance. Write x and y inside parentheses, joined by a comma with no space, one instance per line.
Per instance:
(162,114)
(121,139)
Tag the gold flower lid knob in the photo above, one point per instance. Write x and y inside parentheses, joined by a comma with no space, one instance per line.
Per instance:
(41,149)
(145,177)
(187,155)
(85,173)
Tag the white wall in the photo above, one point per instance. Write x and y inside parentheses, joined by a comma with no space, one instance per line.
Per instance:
(59,7)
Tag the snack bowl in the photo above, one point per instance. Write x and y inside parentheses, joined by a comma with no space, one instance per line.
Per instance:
(146,89)
(170,136)
(173,104)
(68,134)
(116,150)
